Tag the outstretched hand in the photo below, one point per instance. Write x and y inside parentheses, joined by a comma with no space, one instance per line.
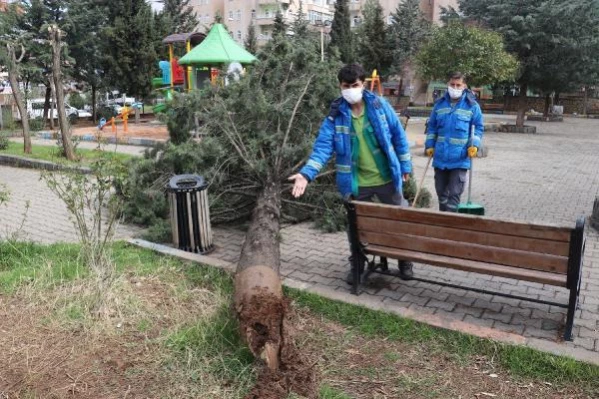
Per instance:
(299,185)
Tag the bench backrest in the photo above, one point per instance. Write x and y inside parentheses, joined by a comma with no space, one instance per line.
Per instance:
(522,245)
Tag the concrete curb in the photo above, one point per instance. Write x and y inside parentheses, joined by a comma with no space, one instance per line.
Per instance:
(22,162)
(369,302)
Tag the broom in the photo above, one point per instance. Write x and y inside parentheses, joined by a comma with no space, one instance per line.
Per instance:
(470,207)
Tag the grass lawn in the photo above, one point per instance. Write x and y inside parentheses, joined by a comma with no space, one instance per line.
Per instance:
(169,333)
(51,153)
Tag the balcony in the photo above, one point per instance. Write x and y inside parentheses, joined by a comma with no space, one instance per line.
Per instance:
(355,7)
(262,20)
(282,2)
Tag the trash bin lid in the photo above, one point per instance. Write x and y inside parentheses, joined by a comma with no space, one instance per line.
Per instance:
(186,183)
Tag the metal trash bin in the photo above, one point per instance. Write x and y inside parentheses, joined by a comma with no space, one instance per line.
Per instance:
(190,213)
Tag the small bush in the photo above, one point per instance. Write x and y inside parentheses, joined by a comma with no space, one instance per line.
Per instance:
(76,100)
(36,124)
(4,142)
(8,119)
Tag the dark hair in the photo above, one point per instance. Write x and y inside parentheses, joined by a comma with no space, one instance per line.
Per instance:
(456,75)
(350,73)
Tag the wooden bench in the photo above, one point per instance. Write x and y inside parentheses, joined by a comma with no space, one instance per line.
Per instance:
(539,253)
(492,108)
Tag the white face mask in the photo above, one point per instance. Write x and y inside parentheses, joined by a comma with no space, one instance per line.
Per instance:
(352,96)
(455,93)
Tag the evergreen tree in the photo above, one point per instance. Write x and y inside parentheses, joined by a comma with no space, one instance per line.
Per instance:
(251,42)
(372,39)
(406,34)
(130,59)
(300,24)
(280,27)
(341,34)
(86,19)
(181,15)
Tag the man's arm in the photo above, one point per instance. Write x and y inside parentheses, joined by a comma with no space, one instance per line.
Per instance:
(432,130)
(322,150)
(398,139)
(479,127)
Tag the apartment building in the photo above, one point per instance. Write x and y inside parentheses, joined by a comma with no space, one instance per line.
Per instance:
(430,8)
(239,14)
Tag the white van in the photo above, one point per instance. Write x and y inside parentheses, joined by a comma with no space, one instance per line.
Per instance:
(35,109)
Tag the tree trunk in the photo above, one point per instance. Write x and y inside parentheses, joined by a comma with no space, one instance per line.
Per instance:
(52,101)
(586,100)
(258,292)
(262,310)
(94,117)
(521,106)
(16,92)
(47,104)
(57,76)
(547,104)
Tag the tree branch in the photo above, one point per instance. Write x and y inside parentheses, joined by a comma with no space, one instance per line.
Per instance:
(290,124)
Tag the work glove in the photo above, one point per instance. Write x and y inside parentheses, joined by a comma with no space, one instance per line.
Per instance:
(472,151)
(430,152)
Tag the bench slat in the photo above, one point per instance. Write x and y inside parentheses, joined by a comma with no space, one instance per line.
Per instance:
(464,222)
(376,225)
(470,265)
(465,250)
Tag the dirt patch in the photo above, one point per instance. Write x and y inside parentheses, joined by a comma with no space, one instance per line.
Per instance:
(143,130)
(44,357)
(266,320)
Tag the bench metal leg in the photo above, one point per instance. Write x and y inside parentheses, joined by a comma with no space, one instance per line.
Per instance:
(358,258)
(577,244)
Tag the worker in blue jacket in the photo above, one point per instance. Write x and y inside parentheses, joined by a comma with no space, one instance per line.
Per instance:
(372,151)
(454,135)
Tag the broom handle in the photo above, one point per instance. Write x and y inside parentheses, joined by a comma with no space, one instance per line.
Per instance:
(471,166)
(421,182)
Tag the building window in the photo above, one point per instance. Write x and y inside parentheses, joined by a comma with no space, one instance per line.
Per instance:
(253,14)
(267,13)
(230,15)
(390,20)
(238,15)
(239,35)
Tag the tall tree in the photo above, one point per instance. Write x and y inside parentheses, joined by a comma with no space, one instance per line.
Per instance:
(130,60)
(258,131)
(407,33)
(57,51)
(299,27)
(478,53)
(251,42)
(534,30)
(372,39)
(280,26)
(86,19)
(12,54)
(341,34)
(181,15)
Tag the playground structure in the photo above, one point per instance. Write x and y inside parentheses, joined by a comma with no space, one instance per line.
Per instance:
(123,115)
(375,81)
(205,56)
(174,76)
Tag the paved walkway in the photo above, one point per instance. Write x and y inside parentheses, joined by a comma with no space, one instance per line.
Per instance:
(46,220)
(549,177)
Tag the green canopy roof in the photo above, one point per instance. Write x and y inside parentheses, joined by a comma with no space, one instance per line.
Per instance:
(217,48)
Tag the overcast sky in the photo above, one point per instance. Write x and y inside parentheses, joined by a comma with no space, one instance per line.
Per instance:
(156,5)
